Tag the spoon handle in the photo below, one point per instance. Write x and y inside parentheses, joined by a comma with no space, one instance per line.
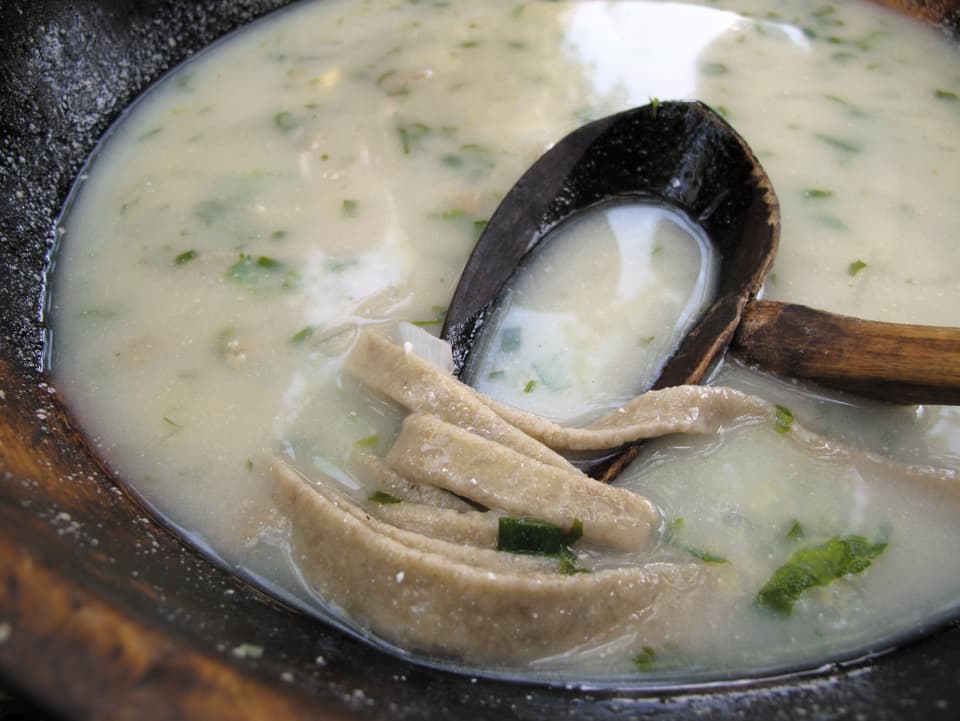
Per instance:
(887,361)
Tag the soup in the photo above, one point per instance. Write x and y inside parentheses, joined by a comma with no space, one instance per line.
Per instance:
(325,173)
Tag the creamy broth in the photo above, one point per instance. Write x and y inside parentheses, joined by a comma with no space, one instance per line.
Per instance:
(330,169)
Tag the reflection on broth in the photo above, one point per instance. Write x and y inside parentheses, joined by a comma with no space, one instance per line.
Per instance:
(325,174)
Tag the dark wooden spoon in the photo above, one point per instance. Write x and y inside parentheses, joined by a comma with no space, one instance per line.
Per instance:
(686,157)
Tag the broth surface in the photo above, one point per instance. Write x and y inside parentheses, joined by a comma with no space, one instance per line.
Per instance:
(330,169)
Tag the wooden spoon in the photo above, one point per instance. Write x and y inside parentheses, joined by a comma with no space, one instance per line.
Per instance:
(686,157)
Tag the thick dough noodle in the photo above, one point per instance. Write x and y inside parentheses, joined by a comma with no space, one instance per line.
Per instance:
(445,598)
(435,452)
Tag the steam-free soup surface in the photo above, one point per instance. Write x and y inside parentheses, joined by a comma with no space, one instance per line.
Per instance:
(330,170)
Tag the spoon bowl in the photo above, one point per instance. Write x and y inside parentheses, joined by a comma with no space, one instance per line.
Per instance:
(681,155)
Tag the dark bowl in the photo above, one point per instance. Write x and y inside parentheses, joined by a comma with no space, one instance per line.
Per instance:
(104,613)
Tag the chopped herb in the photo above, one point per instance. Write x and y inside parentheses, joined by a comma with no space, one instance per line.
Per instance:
(832,222)
(840,144)
(855,267)
(511,339)
(531,384)
(368,441)
(942,94)
(783,419)
(451,214)
(532,536)
(336,265)
(671,537)
(645,660)
(495,375)
(796,532)
(150,134)
(382,498)
(852,109)
(469,44)
(714,69)
(439,314)
(171,422)
(654,107)
(478,227)
(349,208)
(817,193)
(249,465)
(269,263)
(411,135)
(185,257)
(303,334)
(569,563)
(816,566)
(647,340)
(212,210)
(285,121)
(264,271)
(278,234)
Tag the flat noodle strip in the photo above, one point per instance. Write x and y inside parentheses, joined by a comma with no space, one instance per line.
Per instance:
(429,598)
(432,451)
(423,388)
(471,528)
(373,472)
(680,409)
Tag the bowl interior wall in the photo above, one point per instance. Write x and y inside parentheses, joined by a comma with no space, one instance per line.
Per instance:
(102,611)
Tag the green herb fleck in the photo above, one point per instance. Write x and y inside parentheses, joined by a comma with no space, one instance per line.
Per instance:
(855,267)
(439,314)
(654,107)
(647,340)
(782,419)
(383,499)
(212,210)
(278,234)
(511,339)
(249,465)
(671,537)
(796,532)
(941,94)
(285,121)
(263,271)
(185,257)
(303,334)
(536,537)
(817,193)
(531,384)
(411,135)
(478,227)
(495,375)
(569,562)
(337,265)
(150,134)
(816,566)
(714,69)
(368,441)
(847,146)
(349,208)
(645,660)
(832,222)
(854,110)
